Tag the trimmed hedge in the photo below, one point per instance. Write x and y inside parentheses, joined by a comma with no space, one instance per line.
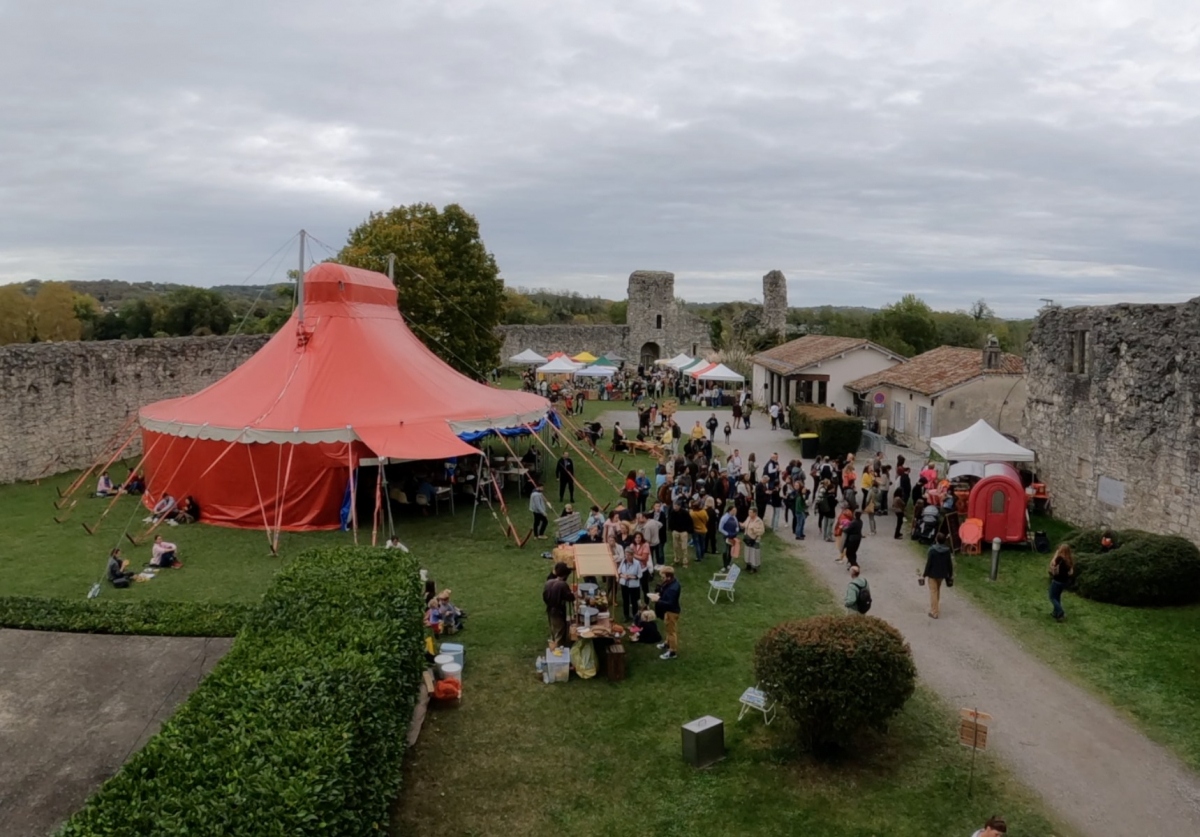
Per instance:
(838,434)
(95,616)
(836,675)
(300,729)
(1145,570)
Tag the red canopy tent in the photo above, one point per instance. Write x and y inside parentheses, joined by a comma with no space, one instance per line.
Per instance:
(272,444)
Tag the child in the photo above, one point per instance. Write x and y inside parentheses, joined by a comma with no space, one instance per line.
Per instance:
(645,627)
(1108,541)
(728,433)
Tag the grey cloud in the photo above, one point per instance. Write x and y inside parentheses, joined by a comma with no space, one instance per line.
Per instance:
(948,149)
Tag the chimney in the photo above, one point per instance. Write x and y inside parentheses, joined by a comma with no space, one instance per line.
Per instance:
(991,353)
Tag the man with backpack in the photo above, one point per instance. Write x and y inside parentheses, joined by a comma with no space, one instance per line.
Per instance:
(712,424)
(729,529)
(858,592)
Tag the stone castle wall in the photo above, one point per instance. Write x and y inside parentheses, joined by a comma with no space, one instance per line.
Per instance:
(63,402)
(775,303)
(1112,412)
(572,339)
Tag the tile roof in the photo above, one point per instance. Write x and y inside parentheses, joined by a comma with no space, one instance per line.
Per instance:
(938,370)
(795,355)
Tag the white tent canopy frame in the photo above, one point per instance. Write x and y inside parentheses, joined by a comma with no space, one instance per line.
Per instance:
(559,366)
(527,356)
(720,372)
(596,372)
(980,443)
(678,362)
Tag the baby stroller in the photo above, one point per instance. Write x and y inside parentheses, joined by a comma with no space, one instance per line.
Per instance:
(927,527)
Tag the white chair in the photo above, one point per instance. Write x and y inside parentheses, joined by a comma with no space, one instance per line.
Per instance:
(755,698)
(723,582)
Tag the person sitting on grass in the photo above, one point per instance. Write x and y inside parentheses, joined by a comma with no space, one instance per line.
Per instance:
(134,484)
(105,487)
(188,511)
(164,554)
(116,572)
(162,509)
(449,616)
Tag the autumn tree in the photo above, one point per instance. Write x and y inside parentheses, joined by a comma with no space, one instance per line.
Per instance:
(450,289)
(54,313)
(906,327)
(16,315)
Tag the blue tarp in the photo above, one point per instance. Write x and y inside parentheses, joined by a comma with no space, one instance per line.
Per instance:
(476,435)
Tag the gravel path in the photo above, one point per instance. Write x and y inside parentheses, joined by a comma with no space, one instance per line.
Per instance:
(1090,765)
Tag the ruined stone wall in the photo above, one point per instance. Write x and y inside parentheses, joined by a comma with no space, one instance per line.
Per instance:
(775,303)
(572,339)
(1112,409)
(654,317)
(62,402)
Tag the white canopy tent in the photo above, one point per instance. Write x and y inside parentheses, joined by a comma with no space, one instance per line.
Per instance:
(678,362)
(559,366)
(720,372)
(527,356)
(596,372)
(980,443)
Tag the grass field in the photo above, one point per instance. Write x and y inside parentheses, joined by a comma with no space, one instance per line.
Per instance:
(1142,660)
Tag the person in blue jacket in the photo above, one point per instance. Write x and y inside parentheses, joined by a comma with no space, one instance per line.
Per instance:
(666,607)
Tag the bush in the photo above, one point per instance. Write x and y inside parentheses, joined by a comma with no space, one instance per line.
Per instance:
(96,616)
(839,434)
(300,729)
(1145,570)
(836,675)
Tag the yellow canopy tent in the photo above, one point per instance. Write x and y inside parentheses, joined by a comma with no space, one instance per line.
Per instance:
(584,357)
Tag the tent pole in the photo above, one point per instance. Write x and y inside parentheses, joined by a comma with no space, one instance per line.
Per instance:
(378,492)
(300,283)
(387,497)
(262,507)
(282,489)
(353,492)
(478,485)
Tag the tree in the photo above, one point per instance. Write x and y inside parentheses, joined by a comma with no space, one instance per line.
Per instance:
(89,314)
(906,326)
(139,317)
(451,293)
(960,329)
(980,311)
(195,311)
(618,312)
(54,313)
(16,315)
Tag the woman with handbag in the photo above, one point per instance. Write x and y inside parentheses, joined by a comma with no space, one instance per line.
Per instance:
(755,528)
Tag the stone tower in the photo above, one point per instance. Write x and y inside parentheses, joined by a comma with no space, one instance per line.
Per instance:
(651,316)
(775,303)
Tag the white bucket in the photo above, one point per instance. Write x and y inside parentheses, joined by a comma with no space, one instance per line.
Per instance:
(454,649)
(440,662)
(452,670)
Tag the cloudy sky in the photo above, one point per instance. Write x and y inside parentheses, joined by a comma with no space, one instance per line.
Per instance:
(1005,150)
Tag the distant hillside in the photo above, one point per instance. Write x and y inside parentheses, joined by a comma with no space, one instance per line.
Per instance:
(112,293)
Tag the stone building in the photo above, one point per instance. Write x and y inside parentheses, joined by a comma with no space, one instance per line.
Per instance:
(815,369)
(657,325)
(1112,413)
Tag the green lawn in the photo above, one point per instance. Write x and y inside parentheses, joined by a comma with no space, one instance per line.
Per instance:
(1143,660)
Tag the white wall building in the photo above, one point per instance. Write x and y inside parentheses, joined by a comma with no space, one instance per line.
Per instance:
(815,369)
(943,391)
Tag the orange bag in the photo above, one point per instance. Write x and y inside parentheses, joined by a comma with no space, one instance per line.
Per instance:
(448,689)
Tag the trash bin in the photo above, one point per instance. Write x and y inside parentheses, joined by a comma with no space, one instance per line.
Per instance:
(704,741)
(808,445)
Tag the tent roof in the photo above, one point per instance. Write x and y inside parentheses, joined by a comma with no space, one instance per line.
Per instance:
(584,357)
(719,372)
(596,371)
(693,364)
(604,360)
(980,443)
(527,356)
(679,361)
(561,364)
(360,375)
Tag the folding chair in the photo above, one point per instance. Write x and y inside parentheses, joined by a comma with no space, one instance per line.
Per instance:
(757,699)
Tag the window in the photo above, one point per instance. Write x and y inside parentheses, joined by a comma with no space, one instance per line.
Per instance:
(898,416)
(1080,351)
(658,320)
(997,502)
(822,391)
(924,422)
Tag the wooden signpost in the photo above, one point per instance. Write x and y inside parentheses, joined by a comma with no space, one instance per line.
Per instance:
(973,732)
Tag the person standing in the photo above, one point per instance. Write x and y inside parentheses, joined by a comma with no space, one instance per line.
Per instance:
(699,529)
(556,594)
(852,535)
(728,433)
(1062,567)
(729,529)
(801,509)
(712,424)
(680,523)
(774,412)
(899,505)
(939,567)
(640,550)
(538,506)
(565,471)
(654,532)
(666,607)
(629,577)
(994,827)
(737,413)
(643,490)
(858,592)
(871,506)
(755,528)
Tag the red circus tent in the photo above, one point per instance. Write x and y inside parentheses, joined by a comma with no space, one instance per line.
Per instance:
(272,444)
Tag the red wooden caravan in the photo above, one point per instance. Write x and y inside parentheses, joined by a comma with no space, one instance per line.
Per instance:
(272,444)
(999,501)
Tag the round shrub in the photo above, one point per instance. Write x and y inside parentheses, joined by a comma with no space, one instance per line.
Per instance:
(1145,570)
(835,675)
